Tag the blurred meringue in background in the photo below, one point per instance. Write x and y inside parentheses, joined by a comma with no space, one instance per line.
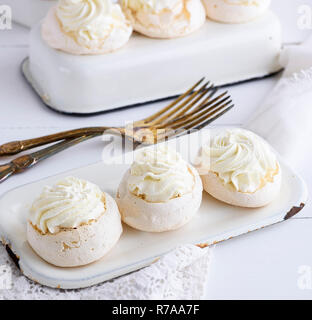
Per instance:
(164,18)
(235,11)
(86,27)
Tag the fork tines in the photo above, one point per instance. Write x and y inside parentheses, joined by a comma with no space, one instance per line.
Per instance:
(193,110)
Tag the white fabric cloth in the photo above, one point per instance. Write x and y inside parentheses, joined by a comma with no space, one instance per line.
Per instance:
(285,118)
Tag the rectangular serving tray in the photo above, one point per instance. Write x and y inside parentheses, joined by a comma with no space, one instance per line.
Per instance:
(147,69)
(215,222)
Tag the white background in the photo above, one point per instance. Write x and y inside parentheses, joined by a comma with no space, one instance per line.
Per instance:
(262,264)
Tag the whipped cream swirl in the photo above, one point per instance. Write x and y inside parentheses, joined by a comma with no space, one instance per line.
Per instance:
(159,174)
(242,159)
(90,22)
(68,204)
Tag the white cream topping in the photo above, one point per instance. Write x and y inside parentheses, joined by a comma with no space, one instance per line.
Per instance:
(90,22)
(242,159)
(159,174)
(68,204)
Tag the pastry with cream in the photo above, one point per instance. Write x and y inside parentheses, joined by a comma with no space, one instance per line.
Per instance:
(160,192)
(241,169)
(86,27)
(235,11)
(73,223)
(164,18)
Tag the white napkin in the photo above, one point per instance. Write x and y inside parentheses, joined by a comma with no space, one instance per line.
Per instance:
(285,118)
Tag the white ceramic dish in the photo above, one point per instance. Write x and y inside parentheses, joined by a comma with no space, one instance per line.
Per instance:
(153,69)
(215,221)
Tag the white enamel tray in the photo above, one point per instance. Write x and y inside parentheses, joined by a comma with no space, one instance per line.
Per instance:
(152,69)
(214,222)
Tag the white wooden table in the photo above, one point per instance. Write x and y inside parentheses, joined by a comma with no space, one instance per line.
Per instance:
(262,264)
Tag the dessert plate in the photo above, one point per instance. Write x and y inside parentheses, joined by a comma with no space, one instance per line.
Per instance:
(215,222)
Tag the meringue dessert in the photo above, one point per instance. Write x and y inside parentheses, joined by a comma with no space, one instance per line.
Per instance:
(160,192)
(243,169)
(165,18)
(86,27)
(73,223)
(235,11)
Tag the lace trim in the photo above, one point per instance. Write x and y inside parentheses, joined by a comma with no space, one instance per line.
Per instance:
(181,274)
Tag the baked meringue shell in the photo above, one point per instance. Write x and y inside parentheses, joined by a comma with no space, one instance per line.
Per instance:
(176,29)
(72,247)
(263,196)
(160,216)
(53,35)
(220,10)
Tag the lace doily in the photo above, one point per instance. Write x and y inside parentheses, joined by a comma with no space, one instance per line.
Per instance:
(180,274)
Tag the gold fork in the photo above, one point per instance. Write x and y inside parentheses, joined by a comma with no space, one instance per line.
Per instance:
(193,110)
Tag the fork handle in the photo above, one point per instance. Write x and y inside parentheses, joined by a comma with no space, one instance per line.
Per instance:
(25,162)
(15,147)
(15,166)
